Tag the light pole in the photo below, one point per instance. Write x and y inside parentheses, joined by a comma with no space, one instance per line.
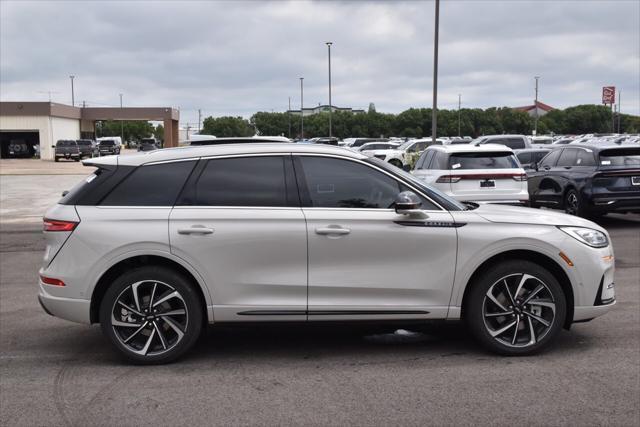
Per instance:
(330,108)
(121,121)
(289,117)
(535,105)
(301,108)
(459,102)
(434,113)
(73,100)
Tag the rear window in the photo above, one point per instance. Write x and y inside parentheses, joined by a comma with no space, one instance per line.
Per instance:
(83,142)
(623,157)
(483,161)
(66,143)
(153,185)
(513,143)
(107,142)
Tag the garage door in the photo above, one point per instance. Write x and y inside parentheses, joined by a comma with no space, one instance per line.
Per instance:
(14,144)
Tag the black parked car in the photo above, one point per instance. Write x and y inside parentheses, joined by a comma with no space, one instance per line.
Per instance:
(148,144)
(588,180)
(528,157)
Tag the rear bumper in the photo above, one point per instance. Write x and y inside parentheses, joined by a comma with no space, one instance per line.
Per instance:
(615,204)
(75,310)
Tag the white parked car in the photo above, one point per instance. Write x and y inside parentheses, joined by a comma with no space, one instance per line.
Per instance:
(484,173)
(153,246)
(400,156)
(515,142)
(370,147)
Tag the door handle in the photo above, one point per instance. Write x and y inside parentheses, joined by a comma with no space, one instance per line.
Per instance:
(195,230)
(336,231)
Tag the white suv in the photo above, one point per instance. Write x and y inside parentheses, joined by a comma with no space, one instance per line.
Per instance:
(155,245)
(401,156)
(485,173)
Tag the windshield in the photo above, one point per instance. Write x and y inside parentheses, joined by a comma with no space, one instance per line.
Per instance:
(441,198)
(502,160)
(627,157)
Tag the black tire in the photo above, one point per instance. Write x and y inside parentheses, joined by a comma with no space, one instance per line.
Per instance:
(55,159)
(162,342)
(482,315)
(573,204)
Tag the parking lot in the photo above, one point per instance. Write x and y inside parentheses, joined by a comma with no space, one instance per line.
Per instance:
(59,373)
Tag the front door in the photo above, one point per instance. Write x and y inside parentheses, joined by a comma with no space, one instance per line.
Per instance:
(365,260)
(239,223)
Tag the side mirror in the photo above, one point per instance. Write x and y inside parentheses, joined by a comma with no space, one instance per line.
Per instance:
(65,192)
(408,203)
(406,168)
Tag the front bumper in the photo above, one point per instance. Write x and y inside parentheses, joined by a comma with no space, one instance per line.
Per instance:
(585,313)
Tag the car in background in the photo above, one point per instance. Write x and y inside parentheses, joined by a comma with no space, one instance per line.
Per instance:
(563,141)
(19,148)
(240,140)
(326,140)
(369,147)
(515,142)
(87,147)
(541,140)
(528,157)
(588,180)
(148,144)
(402,155)
(66,149)
(484,173)
(107,147)
(458,140)
(357,142)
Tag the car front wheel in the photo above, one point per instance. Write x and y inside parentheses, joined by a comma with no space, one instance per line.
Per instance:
(151,315)
(515,308)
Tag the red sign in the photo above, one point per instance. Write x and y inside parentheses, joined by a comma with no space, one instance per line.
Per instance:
(609,95)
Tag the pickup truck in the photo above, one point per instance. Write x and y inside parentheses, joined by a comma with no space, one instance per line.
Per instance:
(67,149)
(87,147)
(107,147)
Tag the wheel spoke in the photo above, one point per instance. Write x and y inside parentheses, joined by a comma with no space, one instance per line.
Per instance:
(495,300)
(136,332)
(153,294)
(177,312)
(524,278)
(173,294)
(145,349)
(116,322)
(506,286)
(538,318)
(131,309)
(161,335)
(134,290)
(173,325)
(543,303)
(515,332)
(502,330)
(533,293)
(532,332)
(506,313)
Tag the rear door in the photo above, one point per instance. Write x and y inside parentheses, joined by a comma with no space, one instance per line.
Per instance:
(543,186)
(239,223)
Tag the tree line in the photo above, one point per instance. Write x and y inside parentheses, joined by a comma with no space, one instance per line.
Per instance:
(131,130)
(416,122)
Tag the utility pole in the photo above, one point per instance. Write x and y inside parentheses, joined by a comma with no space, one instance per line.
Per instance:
(301,108)
(84,104)
(289,116)
(330,108)
(199,119)
(73,99)
(434,113)
(619,106)
(535,105)
(121,121)
(459,102)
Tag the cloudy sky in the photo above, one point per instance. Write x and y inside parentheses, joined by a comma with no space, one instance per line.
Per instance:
(240,57)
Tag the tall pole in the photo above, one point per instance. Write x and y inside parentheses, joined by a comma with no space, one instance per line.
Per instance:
(330,108)
(619,106)
(535,105)
(459,102)
(301,108)
(121,121)
(289,117)
(73,99)
(199,120)
(434,113)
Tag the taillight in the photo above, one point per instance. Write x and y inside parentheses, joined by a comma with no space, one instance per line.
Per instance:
(448,179)
(520,177)
(51,281)
(57,225)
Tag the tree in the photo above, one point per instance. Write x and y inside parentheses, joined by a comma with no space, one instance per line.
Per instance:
(227,126)
(159,132)
(131,130)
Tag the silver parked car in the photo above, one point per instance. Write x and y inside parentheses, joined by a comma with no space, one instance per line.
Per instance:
(155,245)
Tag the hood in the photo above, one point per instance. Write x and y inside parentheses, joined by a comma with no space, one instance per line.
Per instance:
(520,215)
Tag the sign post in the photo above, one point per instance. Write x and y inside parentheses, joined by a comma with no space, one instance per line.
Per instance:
(609,98)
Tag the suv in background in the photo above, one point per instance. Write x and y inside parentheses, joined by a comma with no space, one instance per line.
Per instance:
(67,149)
(401,156)
(148,144)
(486,173)
(528,157)
(588,180)
(87,147)
(515,142)
(108,147)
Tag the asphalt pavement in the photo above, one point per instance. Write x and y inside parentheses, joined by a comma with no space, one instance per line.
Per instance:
(53,372)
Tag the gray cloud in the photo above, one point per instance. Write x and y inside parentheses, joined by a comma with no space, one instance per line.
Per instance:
(241,57)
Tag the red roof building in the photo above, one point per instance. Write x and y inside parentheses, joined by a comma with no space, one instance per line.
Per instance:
(538,106)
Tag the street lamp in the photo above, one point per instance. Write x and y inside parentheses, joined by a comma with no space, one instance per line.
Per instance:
(535,106)
(301,108)
(121,121)
(459,102)
(434,113)
(289,117)
(73,100)
(330,109)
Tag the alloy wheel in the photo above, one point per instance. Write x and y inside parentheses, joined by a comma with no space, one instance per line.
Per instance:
(149,318)
(518,310)
(572,204)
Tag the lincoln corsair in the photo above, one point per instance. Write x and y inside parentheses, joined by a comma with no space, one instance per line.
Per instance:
(156,245)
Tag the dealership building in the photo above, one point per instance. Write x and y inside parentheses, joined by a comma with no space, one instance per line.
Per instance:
(42,124)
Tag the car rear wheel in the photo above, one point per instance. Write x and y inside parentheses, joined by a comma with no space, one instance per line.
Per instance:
(515,308)
(151,315)
(573,204)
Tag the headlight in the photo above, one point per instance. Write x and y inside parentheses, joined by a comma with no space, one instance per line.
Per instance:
(588,236)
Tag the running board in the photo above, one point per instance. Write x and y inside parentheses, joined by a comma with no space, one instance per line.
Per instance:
(328,312)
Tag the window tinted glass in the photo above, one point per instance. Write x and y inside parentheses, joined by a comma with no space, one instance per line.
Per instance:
(107,142)
(425,159)
(153,185)
(568,157)
(439,161)
(585,158)
(539,155)
(242,181)
(550,159)
(336,183)
(483,161)
(513,143)
(524,157)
